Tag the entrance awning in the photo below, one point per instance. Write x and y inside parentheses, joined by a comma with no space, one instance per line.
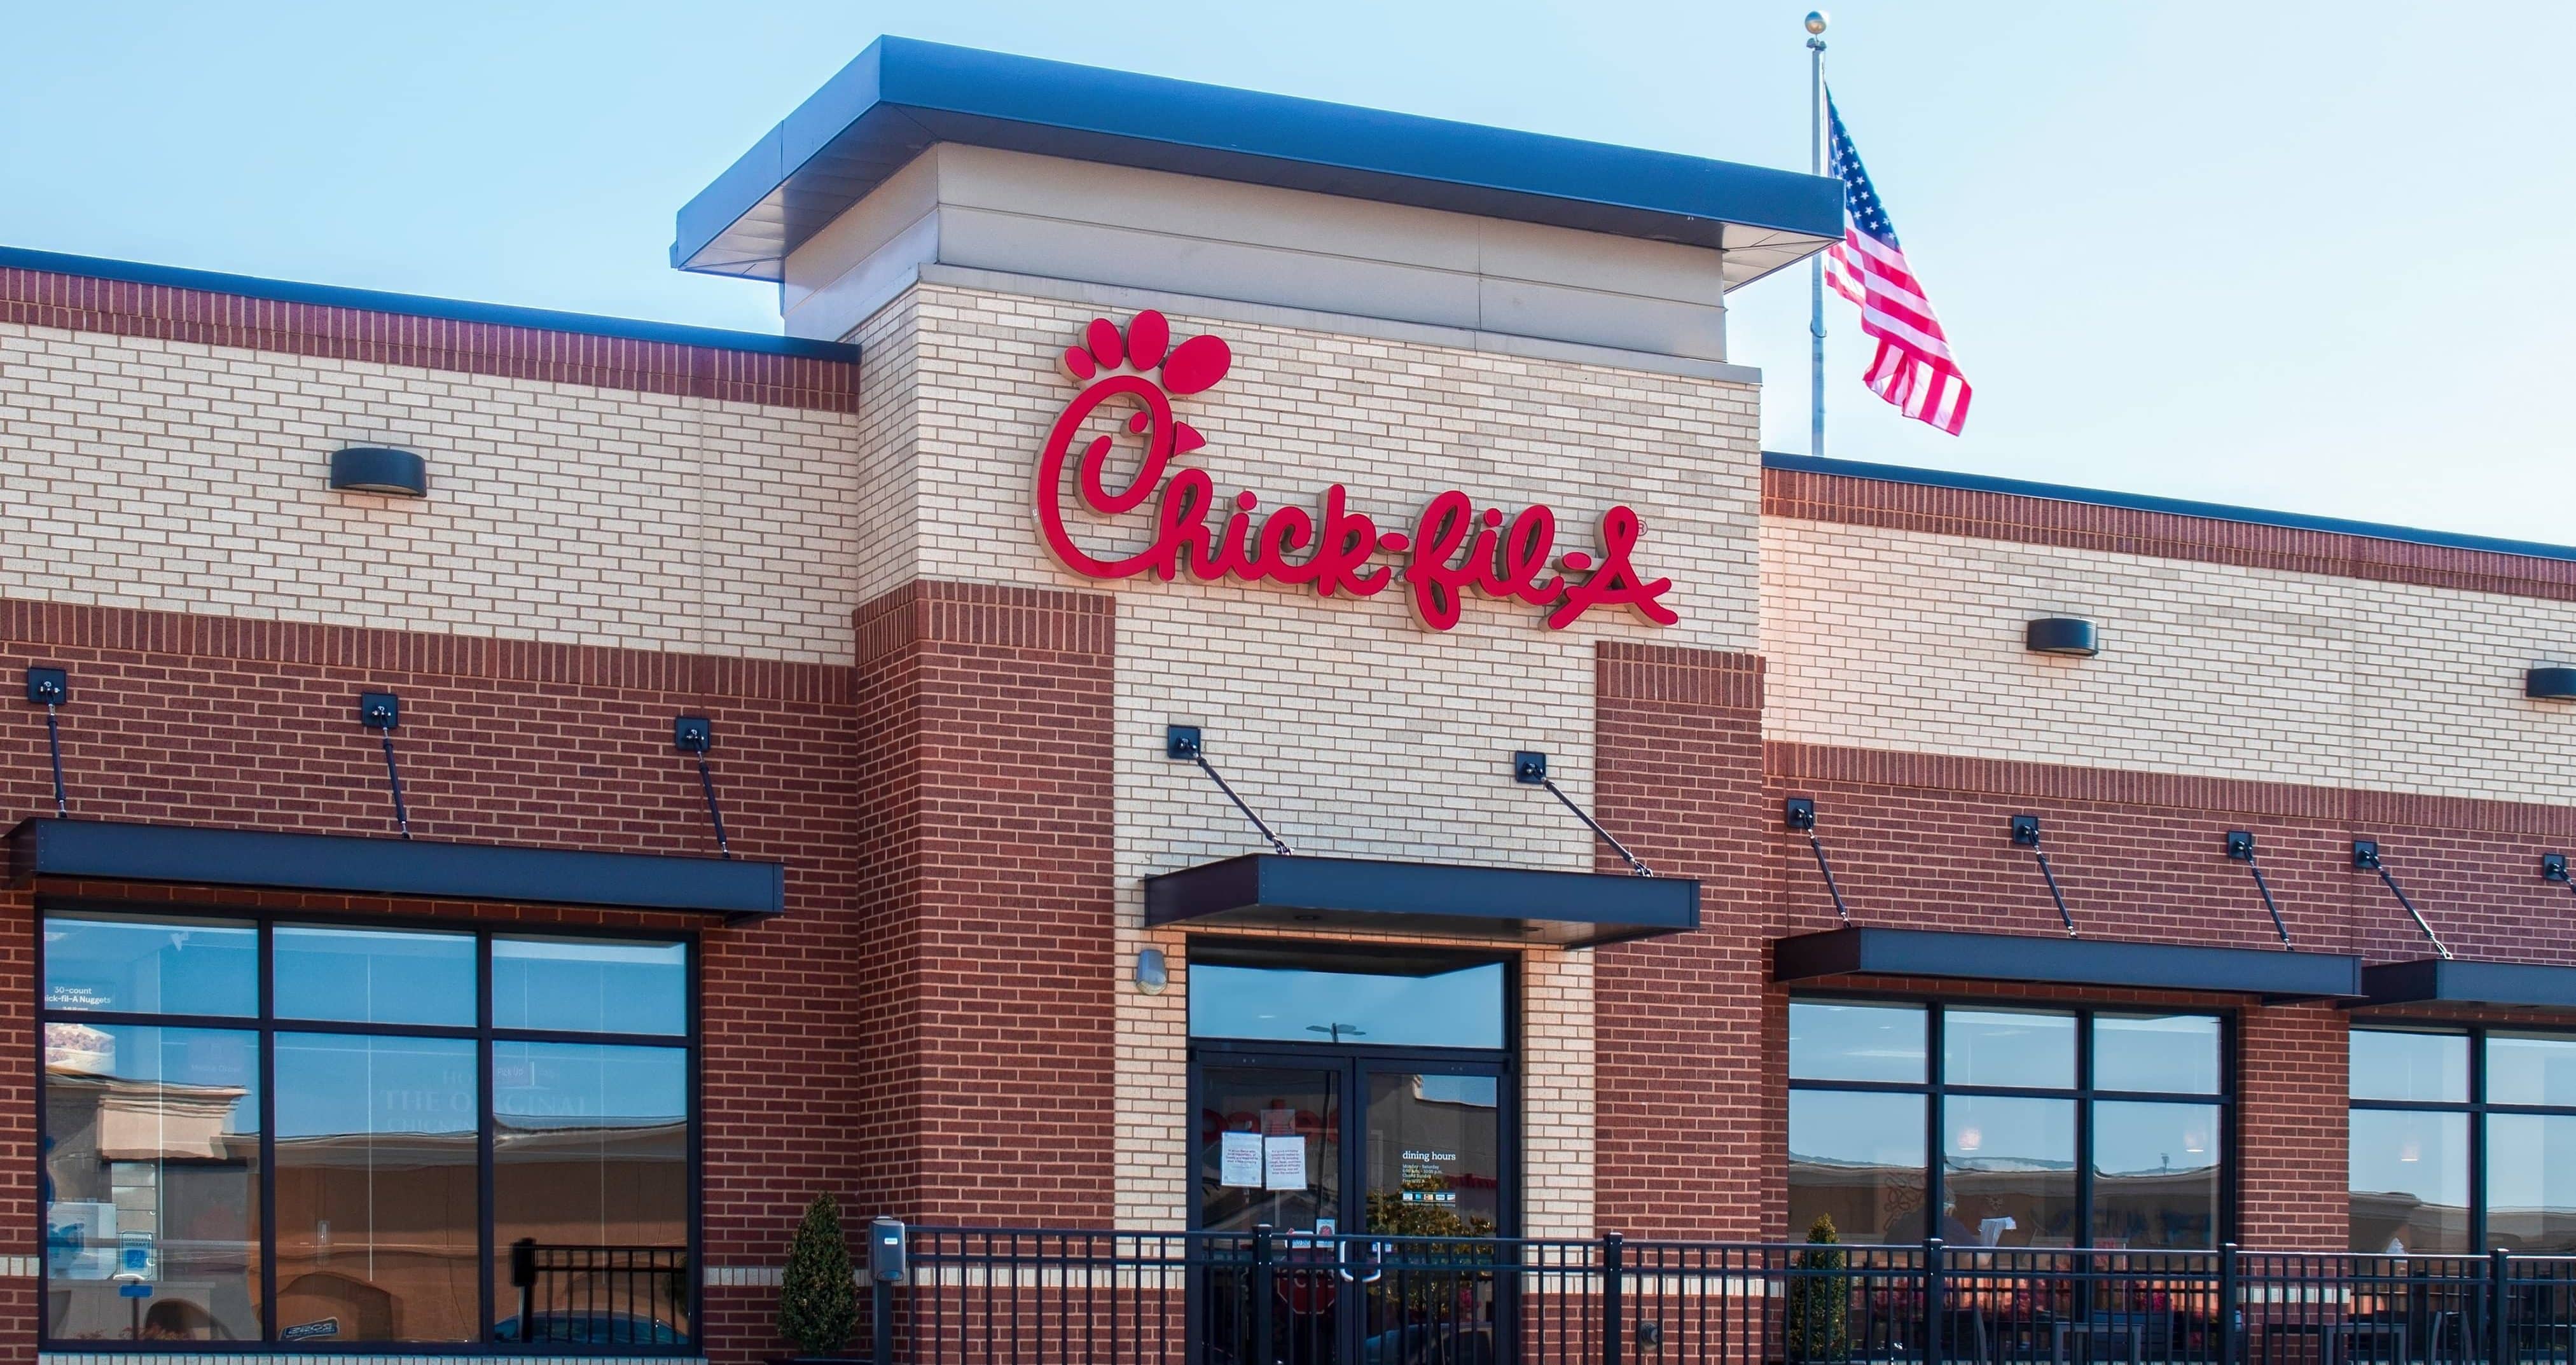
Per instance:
(1293,891)
(736,889)
(2513,985)
(2273,975)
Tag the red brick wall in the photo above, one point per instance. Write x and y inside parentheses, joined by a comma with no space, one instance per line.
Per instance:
(1678,1022)
(202,720)
(994,904)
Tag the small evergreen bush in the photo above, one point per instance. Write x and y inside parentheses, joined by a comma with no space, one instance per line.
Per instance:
(818,1301)
(1820,1299)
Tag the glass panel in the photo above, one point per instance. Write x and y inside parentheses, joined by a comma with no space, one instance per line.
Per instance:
(2390,1065)
(590,1159)
(2410,1181)
(373,976)
(2531,1068)
(151,966)
(377,1183)
(2008,1172)
(2531,1182)
(2174,1054)
(1256,1114)
(2155,1175)
(1856,1158)
(2008,1047)
(1831,1042)
(1435,1155)
(589,985)
(151,1178)
(1459,1008)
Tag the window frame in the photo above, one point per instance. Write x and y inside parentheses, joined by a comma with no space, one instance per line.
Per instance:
(2476,1106)
(1935,1088)
(266,1025)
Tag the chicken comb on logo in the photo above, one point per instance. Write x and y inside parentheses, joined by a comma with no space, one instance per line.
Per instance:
(1194,366)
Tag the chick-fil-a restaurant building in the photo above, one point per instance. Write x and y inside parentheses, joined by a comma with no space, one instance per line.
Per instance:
(1238,671)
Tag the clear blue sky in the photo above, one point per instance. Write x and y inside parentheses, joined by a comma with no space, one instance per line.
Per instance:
(2292,255)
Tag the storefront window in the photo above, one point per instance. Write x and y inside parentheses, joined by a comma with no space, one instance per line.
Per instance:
(389,1090)
(2425,1102)
(1448,1005)
(2055,1127)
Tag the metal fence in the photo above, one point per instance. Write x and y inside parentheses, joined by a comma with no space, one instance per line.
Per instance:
(598,1295)
(1044,1297)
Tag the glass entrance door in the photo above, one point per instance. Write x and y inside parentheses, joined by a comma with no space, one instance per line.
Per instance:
(1365,1166)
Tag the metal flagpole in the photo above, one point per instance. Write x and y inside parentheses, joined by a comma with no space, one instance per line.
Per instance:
(1816,267)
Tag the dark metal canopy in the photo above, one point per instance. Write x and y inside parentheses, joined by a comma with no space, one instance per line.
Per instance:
(2269,973)
(2518,985)
(1572,909)
(737,889)
(901,96)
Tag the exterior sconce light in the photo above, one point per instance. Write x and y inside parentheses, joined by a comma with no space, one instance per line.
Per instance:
(2070,636)
(378,469)
(2550,684)
(1152,972)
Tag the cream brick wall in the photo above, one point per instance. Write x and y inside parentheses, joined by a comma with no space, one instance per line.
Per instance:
(1903,640)
(183,477)
(1351,728)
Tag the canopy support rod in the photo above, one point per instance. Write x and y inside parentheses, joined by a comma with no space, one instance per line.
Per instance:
(2240,846)
(2365,858)
(696,735)
(1183,742)
(1799,815)
(2025,834)
(382,712)
(1530,768)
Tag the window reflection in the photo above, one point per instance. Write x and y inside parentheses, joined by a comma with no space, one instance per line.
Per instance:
(2425,1067)
(1834,1042)
(590,1148)
(2409,1181)
(573,985)
(2008,1171)
(1857,1158)
(2531,1182)
(158,966)
(2155,1175)
(2174,1054)
(2022,1048)
(371,976)
(1462,1007)
(377,1183)
(2531,1068)
(151,1175)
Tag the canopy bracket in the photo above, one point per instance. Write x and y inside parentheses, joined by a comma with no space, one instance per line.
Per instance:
(696,735)
(382,712)
(1798,815)
(50,688)
(2240,846)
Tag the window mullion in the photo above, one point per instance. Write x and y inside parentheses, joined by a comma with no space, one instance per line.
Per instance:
(265,1040)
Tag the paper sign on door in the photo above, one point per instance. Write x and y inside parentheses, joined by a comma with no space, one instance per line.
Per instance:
(1284,1162)
(1239,1160)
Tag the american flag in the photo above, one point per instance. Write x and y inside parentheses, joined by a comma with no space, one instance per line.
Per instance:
(1913,368)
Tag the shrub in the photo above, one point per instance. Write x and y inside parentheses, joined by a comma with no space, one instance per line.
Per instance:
(1818,1297)
(818,1302)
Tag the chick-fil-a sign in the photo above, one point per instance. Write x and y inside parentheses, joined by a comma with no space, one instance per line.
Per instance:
(1453,549)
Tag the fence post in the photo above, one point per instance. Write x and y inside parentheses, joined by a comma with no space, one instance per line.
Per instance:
(1257,1350)
(1935,1350)
(2228,1318)
(2499,1315)
(1614,1299)
(523,1277)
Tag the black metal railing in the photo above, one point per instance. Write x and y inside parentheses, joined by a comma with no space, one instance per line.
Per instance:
(598,1295)
(1050,1297)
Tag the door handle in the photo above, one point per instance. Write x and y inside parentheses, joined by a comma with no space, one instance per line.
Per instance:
(1376,1266)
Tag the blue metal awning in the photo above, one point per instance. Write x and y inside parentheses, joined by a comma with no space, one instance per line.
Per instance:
(2511,985)
(2270,973)
(111,850)
(901,96)
(1295,891)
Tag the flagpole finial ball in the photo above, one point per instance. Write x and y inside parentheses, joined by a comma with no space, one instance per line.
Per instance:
(1815,21)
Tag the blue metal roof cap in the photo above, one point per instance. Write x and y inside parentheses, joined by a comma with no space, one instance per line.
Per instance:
(901,96)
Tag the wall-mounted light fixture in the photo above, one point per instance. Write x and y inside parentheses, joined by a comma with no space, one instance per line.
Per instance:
(2068,636)
(1152,972)
(2550,684)
(379,469)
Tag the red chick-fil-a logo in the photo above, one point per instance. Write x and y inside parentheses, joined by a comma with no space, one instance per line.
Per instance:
(1453,549)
